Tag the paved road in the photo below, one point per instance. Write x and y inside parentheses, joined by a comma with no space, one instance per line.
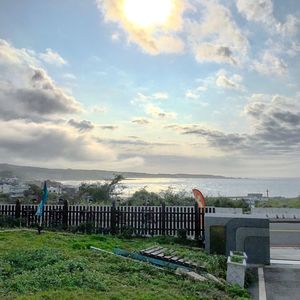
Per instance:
(282,283)
(285,234)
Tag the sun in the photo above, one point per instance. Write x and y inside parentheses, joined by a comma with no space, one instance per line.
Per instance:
(148,13)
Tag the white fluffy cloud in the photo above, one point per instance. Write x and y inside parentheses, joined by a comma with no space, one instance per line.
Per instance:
(160,96)
(224,80)
(53,58)
(157,112)
(262,11)
(270,64)
(216,38)
(212,36)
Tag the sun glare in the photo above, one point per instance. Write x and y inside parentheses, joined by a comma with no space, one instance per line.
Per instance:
(148,13)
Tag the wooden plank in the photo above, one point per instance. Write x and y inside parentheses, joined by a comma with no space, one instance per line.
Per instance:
(153,250)
(159,251)
(148,249)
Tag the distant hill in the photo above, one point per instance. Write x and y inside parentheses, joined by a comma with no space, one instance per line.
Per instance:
(34,173)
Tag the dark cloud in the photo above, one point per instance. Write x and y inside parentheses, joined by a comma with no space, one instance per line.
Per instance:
(108,127)
(275,130)
(82,126)
(41,143)
(27,91)
(141,121)
(224,51)
(133,142)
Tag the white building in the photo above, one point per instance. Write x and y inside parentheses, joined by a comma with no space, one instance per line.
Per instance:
(5,188)
(17,191)
(54,190)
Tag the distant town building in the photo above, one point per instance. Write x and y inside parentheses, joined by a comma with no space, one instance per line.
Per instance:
(5,188)
(17,191)
(55,190)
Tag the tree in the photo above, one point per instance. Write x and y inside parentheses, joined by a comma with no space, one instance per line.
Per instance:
(143,197)
(101,193)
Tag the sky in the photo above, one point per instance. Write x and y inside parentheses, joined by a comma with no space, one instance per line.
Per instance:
(158,86)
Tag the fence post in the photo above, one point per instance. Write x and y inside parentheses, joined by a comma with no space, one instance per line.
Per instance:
(163,218)
(65,214)
(202,215)
(197,222)
(113,218)
(18,209)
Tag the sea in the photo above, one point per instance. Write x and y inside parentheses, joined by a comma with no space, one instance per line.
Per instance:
(236,187)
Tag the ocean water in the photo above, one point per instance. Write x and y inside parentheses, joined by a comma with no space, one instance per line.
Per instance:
(286,187)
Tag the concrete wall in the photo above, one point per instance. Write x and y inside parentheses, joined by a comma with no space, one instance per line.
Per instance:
(228,210)
(242,233)
(276,213)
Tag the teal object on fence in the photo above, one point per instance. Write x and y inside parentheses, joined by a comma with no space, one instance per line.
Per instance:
(40,209)
(151,260)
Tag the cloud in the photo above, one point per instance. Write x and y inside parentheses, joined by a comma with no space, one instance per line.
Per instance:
(262,11)
(216,38)
(270,64)
(27,91)
(69,76)
(192,94)
(195,93)
(82,126)
(156,39)
(17,57)
(133,142)
(206,28)
(259,11)
(108,127)
(98,109)
(157,112)
(115,37)
(40,99)
(141,121)
(43,142)
(53,58)
(224,80)
(160,96)
(142,97)
(275,127)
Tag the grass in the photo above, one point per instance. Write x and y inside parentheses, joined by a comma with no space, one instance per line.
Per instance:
(238,253)
(61,266)
(280,203)
(237,259)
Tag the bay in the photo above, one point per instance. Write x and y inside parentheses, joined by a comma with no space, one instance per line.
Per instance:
(284,187)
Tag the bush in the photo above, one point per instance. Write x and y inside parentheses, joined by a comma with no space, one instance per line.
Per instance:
(11,222)
(87,227)
(182,234)
(127,232)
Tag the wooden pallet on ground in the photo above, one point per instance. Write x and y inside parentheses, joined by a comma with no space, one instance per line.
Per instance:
(171,257)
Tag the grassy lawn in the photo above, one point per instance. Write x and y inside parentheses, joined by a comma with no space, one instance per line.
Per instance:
(277,203)
(60,266)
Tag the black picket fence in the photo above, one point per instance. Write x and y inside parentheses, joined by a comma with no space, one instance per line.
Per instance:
(140,220)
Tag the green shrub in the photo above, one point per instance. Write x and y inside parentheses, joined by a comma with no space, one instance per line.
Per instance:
(87,227)
(182,234)
(237,259)
(126,232)
(10,222)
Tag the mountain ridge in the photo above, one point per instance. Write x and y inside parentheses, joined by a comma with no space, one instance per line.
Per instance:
(39,173)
